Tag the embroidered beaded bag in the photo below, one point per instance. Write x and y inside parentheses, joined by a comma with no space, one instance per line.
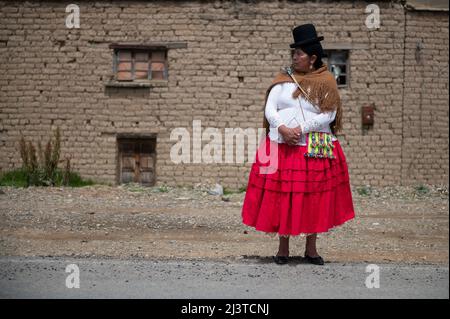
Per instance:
(320,144)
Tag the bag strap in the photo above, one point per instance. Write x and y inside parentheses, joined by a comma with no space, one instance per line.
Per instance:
(289,71)
(301,108)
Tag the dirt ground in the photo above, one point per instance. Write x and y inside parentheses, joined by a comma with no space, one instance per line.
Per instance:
(397,224)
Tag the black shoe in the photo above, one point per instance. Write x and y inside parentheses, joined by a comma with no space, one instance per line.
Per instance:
(281,260)
(314,260)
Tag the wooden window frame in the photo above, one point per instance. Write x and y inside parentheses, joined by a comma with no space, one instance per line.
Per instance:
(329,52)
(142,83)
(133,63)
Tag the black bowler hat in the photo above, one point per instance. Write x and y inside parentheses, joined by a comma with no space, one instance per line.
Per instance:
(305,34)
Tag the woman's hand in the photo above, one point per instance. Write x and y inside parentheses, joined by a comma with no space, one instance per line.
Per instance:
(290,135)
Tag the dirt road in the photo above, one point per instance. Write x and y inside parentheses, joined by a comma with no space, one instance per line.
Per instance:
(401,224)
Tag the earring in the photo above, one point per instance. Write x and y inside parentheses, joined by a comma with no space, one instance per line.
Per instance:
(310,66)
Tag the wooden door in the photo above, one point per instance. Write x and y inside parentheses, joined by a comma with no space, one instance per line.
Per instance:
(137,161)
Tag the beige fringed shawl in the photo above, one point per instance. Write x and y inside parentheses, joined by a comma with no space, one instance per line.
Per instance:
(321,89)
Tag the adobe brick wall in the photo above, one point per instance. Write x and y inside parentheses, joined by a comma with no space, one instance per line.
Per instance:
(54,76)
(425,120)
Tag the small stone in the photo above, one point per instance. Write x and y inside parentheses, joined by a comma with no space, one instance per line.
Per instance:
(217,190)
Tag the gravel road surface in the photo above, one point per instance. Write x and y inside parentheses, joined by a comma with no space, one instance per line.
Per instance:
(25,277)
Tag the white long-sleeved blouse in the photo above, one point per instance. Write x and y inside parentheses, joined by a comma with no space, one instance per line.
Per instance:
(281,108)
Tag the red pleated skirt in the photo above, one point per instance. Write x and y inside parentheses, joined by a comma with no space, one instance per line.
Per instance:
(298,195)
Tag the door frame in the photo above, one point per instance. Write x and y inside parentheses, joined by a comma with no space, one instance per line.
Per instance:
(134,136)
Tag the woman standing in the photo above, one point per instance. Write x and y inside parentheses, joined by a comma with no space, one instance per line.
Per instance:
(308,191)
